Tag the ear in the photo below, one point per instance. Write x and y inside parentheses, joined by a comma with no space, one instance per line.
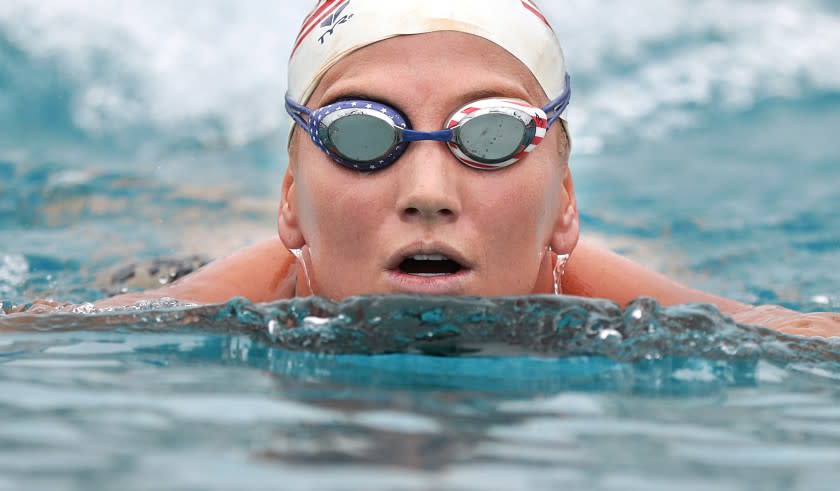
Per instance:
(566,232)
(288,225)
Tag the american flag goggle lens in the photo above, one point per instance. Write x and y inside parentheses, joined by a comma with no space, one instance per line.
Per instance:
(488,134)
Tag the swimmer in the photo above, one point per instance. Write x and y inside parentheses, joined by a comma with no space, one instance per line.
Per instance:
(429,154)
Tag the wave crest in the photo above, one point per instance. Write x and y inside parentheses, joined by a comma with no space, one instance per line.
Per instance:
(553,326)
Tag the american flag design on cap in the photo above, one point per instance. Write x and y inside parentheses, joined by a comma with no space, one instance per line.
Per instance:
(326,14)
(336,28)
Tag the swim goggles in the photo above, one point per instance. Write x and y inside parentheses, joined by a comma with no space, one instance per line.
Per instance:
(487,134)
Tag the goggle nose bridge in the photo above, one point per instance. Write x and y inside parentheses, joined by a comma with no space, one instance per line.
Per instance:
(408,136)
(552,112)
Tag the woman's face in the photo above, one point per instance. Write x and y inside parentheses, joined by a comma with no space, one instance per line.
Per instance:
(388,231)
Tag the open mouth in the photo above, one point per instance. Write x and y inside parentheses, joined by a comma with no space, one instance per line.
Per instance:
(429,265)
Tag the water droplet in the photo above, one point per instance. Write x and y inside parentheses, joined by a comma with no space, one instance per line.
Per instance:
(729,349)
(316,321)
(298,253)
(559,269)
(85,308)
(610,335)
(821,299)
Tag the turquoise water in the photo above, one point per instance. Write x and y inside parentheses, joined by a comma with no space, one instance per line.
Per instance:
(704,146)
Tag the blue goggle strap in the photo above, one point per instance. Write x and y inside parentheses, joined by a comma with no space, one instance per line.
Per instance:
(553,109)
(556,107)
(295,110)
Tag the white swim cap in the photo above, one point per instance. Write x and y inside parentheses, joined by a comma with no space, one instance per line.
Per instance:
(336,28)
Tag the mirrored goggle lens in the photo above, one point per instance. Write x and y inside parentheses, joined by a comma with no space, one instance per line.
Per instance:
(491,138)
(360,137)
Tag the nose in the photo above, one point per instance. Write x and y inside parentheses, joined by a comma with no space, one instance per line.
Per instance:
(428,183)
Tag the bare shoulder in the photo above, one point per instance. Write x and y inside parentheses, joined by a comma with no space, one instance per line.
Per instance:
(595,271)
(261,273)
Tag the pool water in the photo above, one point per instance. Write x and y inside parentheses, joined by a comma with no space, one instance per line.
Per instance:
(705,147)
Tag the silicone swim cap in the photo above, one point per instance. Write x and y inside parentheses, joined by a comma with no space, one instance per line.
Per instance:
(336,28)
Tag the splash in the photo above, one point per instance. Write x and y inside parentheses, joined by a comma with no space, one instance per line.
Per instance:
(545,325)
(642,68)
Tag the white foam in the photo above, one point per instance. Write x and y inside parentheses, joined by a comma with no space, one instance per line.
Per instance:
(164,63)
(215,70)
(398,422)
(725,54)
(13,271)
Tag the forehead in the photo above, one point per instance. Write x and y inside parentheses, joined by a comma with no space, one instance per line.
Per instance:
(433,67)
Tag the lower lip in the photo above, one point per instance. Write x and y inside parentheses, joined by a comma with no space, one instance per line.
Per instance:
(450,284)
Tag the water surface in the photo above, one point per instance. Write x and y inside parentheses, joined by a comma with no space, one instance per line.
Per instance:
(704,146)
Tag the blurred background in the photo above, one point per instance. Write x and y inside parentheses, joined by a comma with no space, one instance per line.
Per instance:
(704,137)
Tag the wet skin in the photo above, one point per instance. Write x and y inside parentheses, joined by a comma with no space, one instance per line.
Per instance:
(497,225)
(356,228)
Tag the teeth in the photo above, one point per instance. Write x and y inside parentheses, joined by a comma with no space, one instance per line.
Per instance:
(429,257)
(429,275)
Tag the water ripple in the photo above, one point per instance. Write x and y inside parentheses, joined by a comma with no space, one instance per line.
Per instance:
(553,326)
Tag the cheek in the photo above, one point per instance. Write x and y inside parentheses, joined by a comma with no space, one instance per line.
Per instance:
(339,210)
(519,210)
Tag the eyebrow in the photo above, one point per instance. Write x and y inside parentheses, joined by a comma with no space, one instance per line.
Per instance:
(350,94)
(470,96)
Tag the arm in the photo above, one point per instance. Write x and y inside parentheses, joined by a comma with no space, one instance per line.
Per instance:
(594,271)
(261,273)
